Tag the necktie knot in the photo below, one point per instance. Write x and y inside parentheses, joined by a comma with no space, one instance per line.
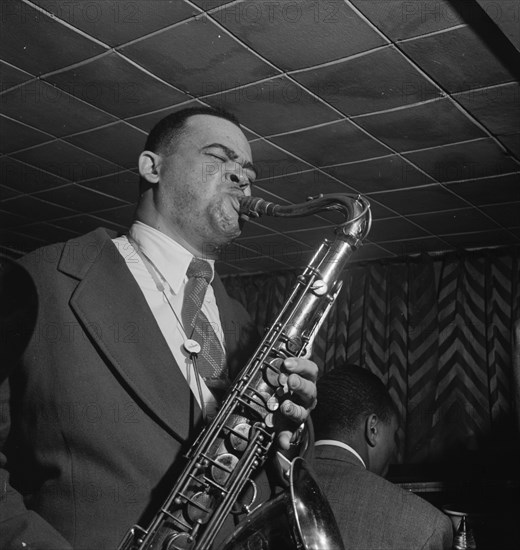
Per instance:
(199,269)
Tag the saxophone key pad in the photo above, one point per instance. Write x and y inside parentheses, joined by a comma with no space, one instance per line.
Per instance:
(225,464)
(319,287)
(237,442)
(273,403)
(200,507)
(272,371)
(269,420)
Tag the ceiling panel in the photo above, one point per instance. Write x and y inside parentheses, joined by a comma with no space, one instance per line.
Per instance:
(27,179)
(7,193)
(12,76)
(122,185)
(28,40)
(207,59)
(117,86)
(300,34)
(504,214)
(375,81)
(79,198)
(338,142)
(419,199)
(47,108)
(512,144)
(271,161)
(420,126)
(497,189)
(35,209)
(66,161)
(114,22)
(413,104)
(453,66)
(382,174)
(298,187)
(393,229)
(274,106)
(398,19)
(496,107)
(475,159)
(119,143)
(16,136)
(464,220)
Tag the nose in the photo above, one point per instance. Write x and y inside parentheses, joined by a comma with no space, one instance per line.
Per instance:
(238,177)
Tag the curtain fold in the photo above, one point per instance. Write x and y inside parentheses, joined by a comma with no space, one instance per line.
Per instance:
(437,330)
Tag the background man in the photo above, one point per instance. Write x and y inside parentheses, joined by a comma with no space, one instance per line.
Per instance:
(98,412)
(356,424)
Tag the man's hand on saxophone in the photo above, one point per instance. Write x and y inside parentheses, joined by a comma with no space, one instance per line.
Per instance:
(300,381)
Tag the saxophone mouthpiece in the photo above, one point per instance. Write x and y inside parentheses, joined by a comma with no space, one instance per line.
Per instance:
(247,208)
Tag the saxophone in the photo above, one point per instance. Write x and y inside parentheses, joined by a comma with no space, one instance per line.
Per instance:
(236,443)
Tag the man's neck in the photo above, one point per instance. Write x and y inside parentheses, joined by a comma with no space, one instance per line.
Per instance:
(157,222)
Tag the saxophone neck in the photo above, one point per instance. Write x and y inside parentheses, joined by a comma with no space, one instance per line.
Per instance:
(355,210)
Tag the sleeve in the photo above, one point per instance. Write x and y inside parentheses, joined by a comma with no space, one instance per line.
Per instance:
(442,534)
(20,528)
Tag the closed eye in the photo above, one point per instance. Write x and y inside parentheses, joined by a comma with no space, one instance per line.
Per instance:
(222,159)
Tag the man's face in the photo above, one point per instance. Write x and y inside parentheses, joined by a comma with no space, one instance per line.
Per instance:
(385,450)
(209,167)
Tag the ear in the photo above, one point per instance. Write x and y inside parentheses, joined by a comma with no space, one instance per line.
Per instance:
(149,166)
(372,429)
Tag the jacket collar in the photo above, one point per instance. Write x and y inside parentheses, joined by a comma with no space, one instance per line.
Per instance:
(337,453)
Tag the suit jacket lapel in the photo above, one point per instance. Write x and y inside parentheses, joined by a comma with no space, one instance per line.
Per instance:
(113,310)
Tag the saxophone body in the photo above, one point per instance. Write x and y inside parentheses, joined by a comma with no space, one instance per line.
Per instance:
(228,451)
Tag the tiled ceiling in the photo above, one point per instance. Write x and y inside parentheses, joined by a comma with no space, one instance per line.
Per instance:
(414,104)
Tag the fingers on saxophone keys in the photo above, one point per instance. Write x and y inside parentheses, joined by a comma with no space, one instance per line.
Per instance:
(305,368)
(304,391)
(284,439)
(294,412)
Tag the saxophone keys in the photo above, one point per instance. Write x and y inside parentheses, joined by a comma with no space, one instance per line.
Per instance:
(239,437)
(319,287)
(179,540)
(200,507)
(282,390)
(272,371)
(223,467)
(269,420)
(273,403)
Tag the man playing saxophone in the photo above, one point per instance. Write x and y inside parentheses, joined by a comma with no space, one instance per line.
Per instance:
(135,342)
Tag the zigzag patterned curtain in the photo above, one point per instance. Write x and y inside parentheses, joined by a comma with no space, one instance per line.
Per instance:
(436,330)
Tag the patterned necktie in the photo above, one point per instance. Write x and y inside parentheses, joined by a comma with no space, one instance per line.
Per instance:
(211,360)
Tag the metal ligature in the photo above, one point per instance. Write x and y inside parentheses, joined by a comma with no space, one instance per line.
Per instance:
(228,451)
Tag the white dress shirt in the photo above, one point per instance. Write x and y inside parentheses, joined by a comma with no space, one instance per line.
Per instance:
(171,261)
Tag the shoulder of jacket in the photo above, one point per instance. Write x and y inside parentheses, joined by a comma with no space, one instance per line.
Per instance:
(69,253)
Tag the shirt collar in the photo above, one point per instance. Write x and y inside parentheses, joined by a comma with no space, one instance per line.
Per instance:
(336,443)
(170,258)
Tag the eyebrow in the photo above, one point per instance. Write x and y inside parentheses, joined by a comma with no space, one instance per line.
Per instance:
(248,165)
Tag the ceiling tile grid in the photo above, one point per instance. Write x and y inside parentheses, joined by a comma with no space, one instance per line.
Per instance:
(414,104)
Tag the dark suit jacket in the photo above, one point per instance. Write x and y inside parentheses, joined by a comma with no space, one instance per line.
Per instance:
(374,514)
(96,415)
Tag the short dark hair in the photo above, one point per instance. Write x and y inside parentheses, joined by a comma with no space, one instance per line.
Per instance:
(166,132)
(346,395)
